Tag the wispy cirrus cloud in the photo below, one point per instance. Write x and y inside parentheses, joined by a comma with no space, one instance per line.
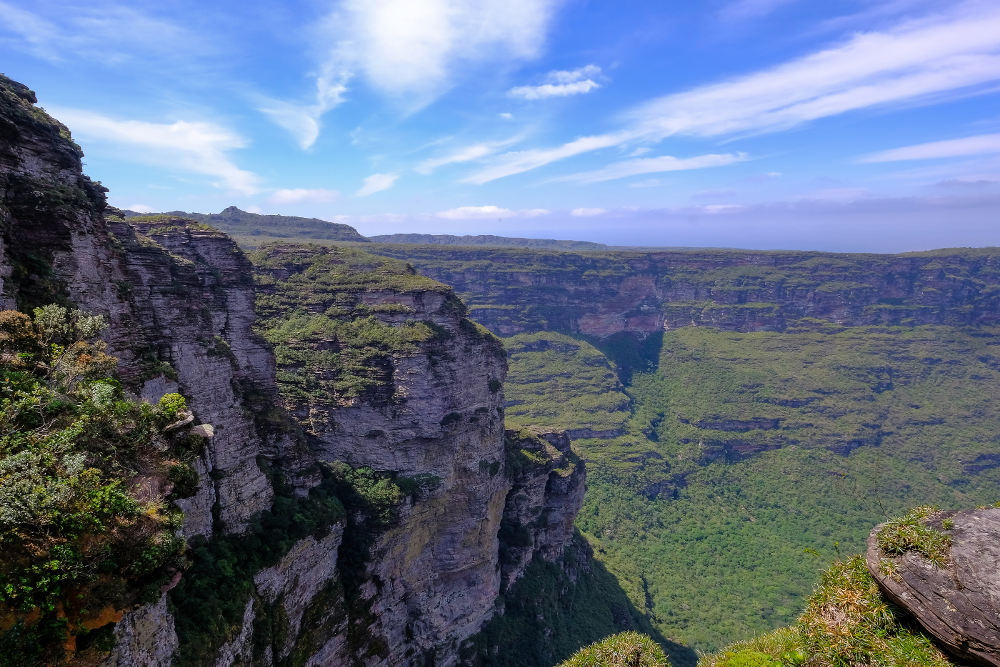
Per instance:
(377,183)
(108,34)
(195,147)
(490,212)
(303,195)
(518,162)
(587,212)
(653,165)
(982,144)
(561,83)
(465,154)
(411,52)
(933,59)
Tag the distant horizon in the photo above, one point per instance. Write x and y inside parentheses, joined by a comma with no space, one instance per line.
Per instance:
(530,234)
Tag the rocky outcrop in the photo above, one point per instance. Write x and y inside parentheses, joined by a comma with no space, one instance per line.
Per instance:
(144,636)
(297,613)
(641,292)
(171,311)
(433,413)
(957,603)
(548,482)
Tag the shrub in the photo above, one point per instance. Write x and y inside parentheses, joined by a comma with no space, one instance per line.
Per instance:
(74,538)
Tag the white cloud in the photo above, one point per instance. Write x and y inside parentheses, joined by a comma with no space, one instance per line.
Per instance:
(653,165)
(303,121)
(966,146)
(940,56)
(518,162)
(140,208)
(587,212)
(466,154)
(506,115)
(191,146)
(476,213)
(561,83)
(412,51)
(377,183)
(715,209)
(553,90)
(302,195)
(490,213)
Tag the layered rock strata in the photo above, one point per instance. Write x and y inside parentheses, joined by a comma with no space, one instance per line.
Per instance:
(641,292)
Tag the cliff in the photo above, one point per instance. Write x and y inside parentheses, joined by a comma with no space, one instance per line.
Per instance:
(347,499)
(603,293)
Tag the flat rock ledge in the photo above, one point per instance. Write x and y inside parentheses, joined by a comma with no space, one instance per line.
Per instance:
(958,604)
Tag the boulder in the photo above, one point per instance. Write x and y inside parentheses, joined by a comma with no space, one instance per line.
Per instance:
(958,603)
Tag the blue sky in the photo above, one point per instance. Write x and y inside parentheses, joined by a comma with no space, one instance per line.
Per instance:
(840,125)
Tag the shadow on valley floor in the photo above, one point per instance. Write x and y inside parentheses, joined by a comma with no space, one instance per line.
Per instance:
(547,617)
(630,353)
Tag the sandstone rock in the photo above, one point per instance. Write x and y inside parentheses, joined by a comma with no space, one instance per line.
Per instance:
(958,604)
(548,483)
(144,636)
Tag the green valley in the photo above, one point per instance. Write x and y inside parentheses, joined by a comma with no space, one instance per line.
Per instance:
(748,461)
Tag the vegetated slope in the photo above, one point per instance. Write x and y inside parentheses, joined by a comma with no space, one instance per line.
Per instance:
(253,229)
(751,459)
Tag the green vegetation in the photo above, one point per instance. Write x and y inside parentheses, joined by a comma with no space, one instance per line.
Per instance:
(251,230)
(333,342)
(628,649)
(911,533)
(750,461)
(847,622)
(575,612)
(81,532)
(209,602)
(562,381)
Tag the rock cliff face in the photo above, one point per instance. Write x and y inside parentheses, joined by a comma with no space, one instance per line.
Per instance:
(548,485)
(355,362)
(604,293)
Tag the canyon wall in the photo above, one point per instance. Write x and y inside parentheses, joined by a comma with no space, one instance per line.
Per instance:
(604,293)
(356,369)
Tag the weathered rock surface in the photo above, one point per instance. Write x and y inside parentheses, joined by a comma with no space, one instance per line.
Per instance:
(297,608)
(435,414)
(144,636)
(548,483)
(958,604)
(171,307)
